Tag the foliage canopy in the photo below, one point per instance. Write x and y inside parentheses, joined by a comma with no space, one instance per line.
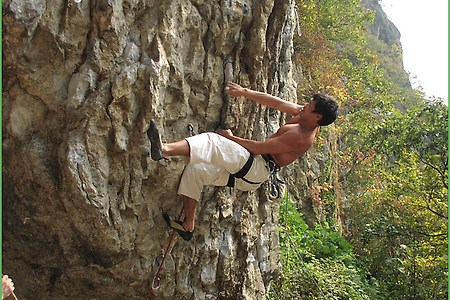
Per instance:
(392,163)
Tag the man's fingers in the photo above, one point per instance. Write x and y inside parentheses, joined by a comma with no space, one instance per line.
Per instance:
(232,88)
(224,132)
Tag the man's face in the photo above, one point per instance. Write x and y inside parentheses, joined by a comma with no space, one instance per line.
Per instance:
(308,112)
(309,107)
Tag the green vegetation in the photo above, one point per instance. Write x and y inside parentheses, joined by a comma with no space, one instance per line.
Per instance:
(397,217)
(318,263)
(392,167)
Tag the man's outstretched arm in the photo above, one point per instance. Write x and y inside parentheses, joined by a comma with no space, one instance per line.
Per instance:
(235,90)
(284,143)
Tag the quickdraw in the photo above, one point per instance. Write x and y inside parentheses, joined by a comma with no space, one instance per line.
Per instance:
(277,187)
(156,282)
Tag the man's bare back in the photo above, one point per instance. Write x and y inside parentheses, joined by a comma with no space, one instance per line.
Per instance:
(292,140)
(301,142)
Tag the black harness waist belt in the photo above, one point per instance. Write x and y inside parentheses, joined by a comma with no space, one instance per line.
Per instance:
(242,172)
(271,162)
(268,157)
(248,164)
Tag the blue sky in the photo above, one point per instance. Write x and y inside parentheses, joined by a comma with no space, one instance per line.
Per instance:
(424,36)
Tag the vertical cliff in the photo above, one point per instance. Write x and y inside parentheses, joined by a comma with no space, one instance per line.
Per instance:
(384,39)
(82,201)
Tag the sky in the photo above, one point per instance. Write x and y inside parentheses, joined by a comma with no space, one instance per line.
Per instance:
(423,26)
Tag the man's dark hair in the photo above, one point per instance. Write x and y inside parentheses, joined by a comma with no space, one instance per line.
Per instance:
(327,106)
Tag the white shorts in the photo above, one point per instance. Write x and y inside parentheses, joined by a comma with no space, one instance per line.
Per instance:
(213,158)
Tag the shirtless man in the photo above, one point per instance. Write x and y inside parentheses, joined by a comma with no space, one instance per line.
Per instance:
(223,159)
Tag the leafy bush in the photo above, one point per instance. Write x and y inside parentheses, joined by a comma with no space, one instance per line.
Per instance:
(392,167)
(318,263)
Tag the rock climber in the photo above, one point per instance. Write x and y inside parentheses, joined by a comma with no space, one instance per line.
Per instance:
(223,159)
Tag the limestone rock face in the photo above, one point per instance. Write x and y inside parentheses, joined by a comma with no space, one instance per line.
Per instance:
(384,38)
(382,27)
(82,200)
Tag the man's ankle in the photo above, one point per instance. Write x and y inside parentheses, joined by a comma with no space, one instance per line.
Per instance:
(188,227)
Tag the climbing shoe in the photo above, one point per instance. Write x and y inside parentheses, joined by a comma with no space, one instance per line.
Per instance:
(178,227)
(155,141)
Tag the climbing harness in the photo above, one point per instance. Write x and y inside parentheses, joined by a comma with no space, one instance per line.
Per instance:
(276,185)
(242,172)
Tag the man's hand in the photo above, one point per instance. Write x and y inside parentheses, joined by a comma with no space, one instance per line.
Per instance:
(7,286)
(234,89)
(225,132)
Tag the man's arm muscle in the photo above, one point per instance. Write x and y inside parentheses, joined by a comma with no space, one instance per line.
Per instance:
(288,107)
(284,143)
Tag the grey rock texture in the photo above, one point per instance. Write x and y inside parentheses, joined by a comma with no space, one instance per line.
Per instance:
(82,200)
(382,27)
(385,39)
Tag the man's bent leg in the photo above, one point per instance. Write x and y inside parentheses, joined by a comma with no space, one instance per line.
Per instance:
(160,150)
(214,149)
(180,148)
(194,177)
(209,148)
(184,229)
(190,207)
